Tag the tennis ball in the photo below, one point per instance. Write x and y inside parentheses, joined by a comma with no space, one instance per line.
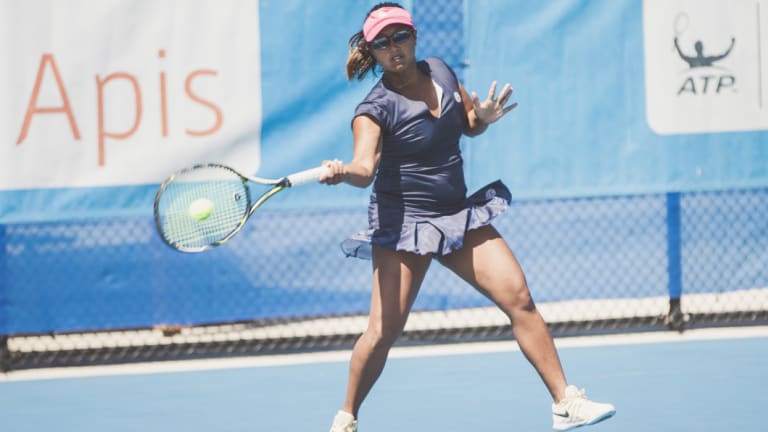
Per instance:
(201,209)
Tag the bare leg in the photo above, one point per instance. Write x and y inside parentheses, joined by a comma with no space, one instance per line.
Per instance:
(397,277)
(487,263)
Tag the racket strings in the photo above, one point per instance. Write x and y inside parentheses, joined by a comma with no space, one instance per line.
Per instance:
(227,195)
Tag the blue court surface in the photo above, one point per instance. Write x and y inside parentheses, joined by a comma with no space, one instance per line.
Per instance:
(703,380)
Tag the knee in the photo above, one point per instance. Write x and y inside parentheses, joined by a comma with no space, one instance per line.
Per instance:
(518,297)
(382,338)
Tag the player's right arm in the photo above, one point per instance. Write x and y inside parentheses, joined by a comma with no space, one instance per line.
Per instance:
(361,170)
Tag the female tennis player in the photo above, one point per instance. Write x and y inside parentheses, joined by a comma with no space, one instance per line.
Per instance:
(406,137)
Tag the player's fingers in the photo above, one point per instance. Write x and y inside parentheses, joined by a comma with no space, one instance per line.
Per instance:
(510,108)
(331,172)
(492,91)
(505,94)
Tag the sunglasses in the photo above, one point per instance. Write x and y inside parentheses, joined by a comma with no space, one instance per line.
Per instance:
(398,37)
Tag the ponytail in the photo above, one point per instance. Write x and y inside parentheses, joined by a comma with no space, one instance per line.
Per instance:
(360,60)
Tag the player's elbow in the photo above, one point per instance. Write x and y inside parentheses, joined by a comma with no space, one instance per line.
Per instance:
(366,177)
(360,174)
(359,181)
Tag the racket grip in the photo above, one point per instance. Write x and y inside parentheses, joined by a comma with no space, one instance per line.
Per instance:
(306,176)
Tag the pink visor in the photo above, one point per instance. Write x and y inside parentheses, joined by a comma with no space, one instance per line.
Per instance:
(383,17)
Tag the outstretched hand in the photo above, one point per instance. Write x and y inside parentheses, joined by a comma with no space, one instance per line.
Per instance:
(492,109)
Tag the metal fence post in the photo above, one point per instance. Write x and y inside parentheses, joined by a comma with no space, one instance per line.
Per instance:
(675,319)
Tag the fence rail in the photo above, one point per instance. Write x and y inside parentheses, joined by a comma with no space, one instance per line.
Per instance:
(106,291)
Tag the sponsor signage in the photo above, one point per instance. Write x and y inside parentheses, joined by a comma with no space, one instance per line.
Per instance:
(103,93)
(705,65)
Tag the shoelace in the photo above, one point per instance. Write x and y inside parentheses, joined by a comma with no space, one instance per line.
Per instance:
(574,403)
(580,394)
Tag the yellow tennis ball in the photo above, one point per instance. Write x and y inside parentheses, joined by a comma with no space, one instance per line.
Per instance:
(201,209)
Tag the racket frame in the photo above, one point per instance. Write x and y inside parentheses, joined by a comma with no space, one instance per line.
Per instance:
(278,185)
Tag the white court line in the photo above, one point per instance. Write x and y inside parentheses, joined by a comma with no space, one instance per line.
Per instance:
(397,352)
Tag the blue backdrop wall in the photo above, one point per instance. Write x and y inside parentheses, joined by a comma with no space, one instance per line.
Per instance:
(87,257)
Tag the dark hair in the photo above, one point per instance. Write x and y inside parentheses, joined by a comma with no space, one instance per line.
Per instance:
(360,60)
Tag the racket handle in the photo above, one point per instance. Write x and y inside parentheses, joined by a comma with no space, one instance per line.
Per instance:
(306,176)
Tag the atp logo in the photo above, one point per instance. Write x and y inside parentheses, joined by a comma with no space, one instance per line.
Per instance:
(703,76)
(705,69)
(701,60)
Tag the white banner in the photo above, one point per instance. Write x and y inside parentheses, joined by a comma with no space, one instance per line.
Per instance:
(123,92)
(706,65)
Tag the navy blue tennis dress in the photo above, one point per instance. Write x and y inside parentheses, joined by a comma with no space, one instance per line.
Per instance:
(419,199)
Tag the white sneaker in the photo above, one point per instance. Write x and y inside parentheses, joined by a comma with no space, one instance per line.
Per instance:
(576,410)
(344,422)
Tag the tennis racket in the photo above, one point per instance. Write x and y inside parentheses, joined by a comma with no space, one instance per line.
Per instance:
(203,206)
